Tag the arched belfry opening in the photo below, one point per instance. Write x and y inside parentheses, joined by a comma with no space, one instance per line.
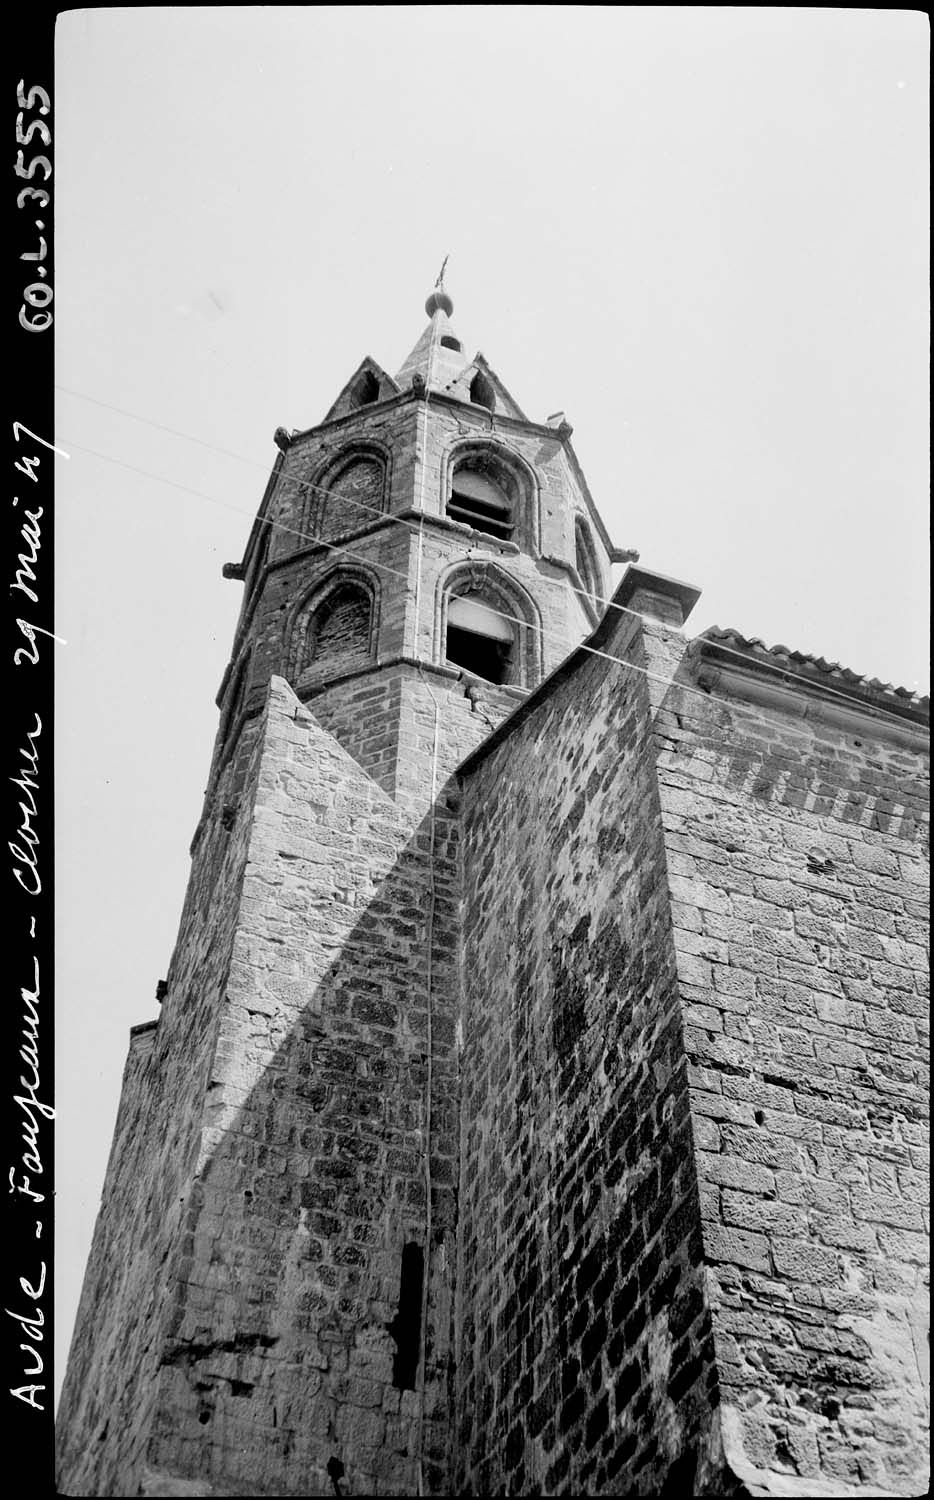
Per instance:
(486,492)
(480,500)
(479,638)
(489,625)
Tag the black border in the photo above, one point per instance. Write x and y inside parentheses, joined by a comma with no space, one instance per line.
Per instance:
(29,913)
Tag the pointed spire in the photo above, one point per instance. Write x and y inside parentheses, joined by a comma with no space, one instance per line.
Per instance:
(438,357)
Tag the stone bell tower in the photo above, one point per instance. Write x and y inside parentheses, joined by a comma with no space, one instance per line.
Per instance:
(424,532)
(269,1302)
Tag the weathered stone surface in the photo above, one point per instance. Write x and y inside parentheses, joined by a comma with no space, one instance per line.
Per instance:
(829,1062)
(538,1102)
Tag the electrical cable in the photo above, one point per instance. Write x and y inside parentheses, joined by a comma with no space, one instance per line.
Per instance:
(429,980)
(419,1440)
(709,697)
(307,486)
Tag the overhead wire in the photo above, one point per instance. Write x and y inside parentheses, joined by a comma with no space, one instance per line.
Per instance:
(877,711)
(429,979)
(307,486)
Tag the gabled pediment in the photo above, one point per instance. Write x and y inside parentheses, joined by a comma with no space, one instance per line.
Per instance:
(368,385)
(477,382)
(505,402)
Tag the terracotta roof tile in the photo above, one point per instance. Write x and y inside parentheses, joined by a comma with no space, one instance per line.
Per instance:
(815,667)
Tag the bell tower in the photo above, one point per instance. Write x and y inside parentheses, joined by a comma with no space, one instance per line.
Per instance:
(425,533)
(541,1020)
(271,1294)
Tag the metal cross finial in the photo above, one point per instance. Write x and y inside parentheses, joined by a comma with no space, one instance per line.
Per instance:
(440,280)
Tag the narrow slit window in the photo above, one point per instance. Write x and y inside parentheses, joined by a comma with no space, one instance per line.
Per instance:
(406,1326)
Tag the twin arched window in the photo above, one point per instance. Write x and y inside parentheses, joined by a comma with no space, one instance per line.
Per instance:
(488,493)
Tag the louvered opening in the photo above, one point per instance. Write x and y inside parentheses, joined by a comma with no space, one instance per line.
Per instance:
(479,639)
(479,502)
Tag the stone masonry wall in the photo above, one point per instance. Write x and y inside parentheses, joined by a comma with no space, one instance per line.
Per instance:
(150,1192)
(585,1360)
(386,719)
(287,1325)
(795,829)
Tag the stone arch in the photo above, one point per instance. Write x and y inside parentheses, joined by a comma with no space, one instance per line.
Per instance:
(498,624)
(334,627)
(348,493)
(496,464)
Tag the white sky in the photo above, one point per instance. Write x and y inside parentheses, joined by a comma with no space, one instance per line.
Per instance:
(701,232)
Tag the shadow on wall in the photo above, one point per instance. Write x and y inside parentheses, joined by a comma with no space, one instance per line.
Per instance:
(295,1340)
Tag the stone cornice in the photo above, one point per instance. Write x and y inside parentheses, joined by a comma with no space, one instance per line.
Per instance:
(850,708)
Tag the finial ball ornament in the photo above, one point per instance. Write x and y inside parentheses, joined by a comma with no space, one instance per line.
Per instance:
(439,299)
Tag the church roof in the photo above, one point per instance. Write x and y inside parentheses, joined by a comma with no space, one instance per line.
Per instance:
(871,691)
(817,668)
